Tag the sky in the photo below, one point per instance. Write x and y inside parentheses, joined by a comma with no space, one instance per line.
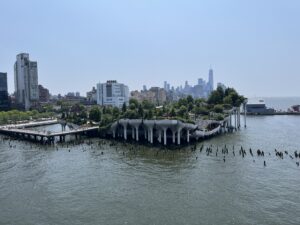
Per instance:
(252,45)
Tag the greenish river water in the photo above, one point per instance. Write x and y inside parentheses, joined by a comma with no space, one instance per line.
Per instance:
(103,183)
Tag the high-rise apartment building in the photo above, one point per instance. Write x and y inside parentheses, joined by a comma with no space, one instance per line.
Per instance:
(4,102)
(26,81)
(112,93)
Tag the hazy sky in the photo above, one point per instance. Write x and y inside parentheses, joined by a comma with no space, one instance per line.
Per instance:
(252,45)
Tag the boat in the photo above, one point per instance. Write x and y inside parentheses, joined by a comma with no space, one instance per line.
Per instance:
(258,107)
(294,109)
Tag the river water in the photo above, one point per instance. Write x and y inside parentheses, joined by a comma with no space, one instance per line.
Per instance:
(98,182)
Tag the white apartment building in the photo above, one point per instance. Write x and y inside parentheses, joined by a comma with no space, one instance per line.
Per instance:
(26,81)
(112,93)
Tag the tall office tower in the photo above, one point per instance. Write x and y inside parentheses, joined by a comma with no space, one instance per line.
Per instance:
(112,93)
(211,80)
(168,87)
(186,85)
(165,85)
(4,102)
(26,81)
(144,88)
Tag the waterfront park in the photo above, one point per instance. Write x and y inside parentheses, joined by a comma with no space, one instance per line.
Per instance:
(168,124)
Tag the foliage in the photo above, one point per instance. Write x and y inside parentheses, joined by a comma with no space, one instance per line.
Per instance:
(15,116)
(218,108)
(124,107)
(229,97)
(182,112)
(95,114)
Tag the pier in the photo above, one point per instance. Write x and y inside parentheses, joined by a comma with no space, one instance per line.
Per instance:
(48,136)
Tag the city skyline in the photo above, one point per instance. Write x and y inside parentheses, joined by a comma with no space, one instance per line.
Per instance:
(123,41)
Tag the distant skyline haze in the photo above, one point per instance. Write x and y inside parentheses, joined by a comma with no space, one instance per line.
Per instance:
(252,46)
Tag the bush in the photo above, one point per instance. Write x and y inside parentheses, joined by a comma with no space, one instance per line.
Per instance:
(218,108)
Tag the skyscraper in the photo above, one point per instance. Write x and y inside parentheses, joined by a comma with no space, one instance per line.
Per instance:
(4,102)
(26,81)
(165,85)
(211,79)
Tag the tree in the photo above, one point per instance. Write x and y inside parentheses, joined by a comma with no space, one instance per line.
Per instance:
(140,111)
(182,102)
(216,97)
(131,114)
(83,115)
(200,110)
(134,102)
(106,120)
(190,106)
(132,106)
(227,100)
(95,114)
(159,112)
(199,101)
(116,112)
(231,96)
(124,107)
(108,110)
(150,114)
(190,99)
(147,104)
(172,112)
(182,111)
(218,108)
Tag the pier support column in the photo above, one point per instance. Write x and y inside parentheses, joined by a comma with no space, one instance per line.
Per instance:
(137,133)
(188,136)
(178,136)
(151,135)
(245,114)
(230,121)
(235,120)
(239,118)
(125,132)
(159,136)
(148,135)
(114,134)
(132,132)
(165,136)
(173,136)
